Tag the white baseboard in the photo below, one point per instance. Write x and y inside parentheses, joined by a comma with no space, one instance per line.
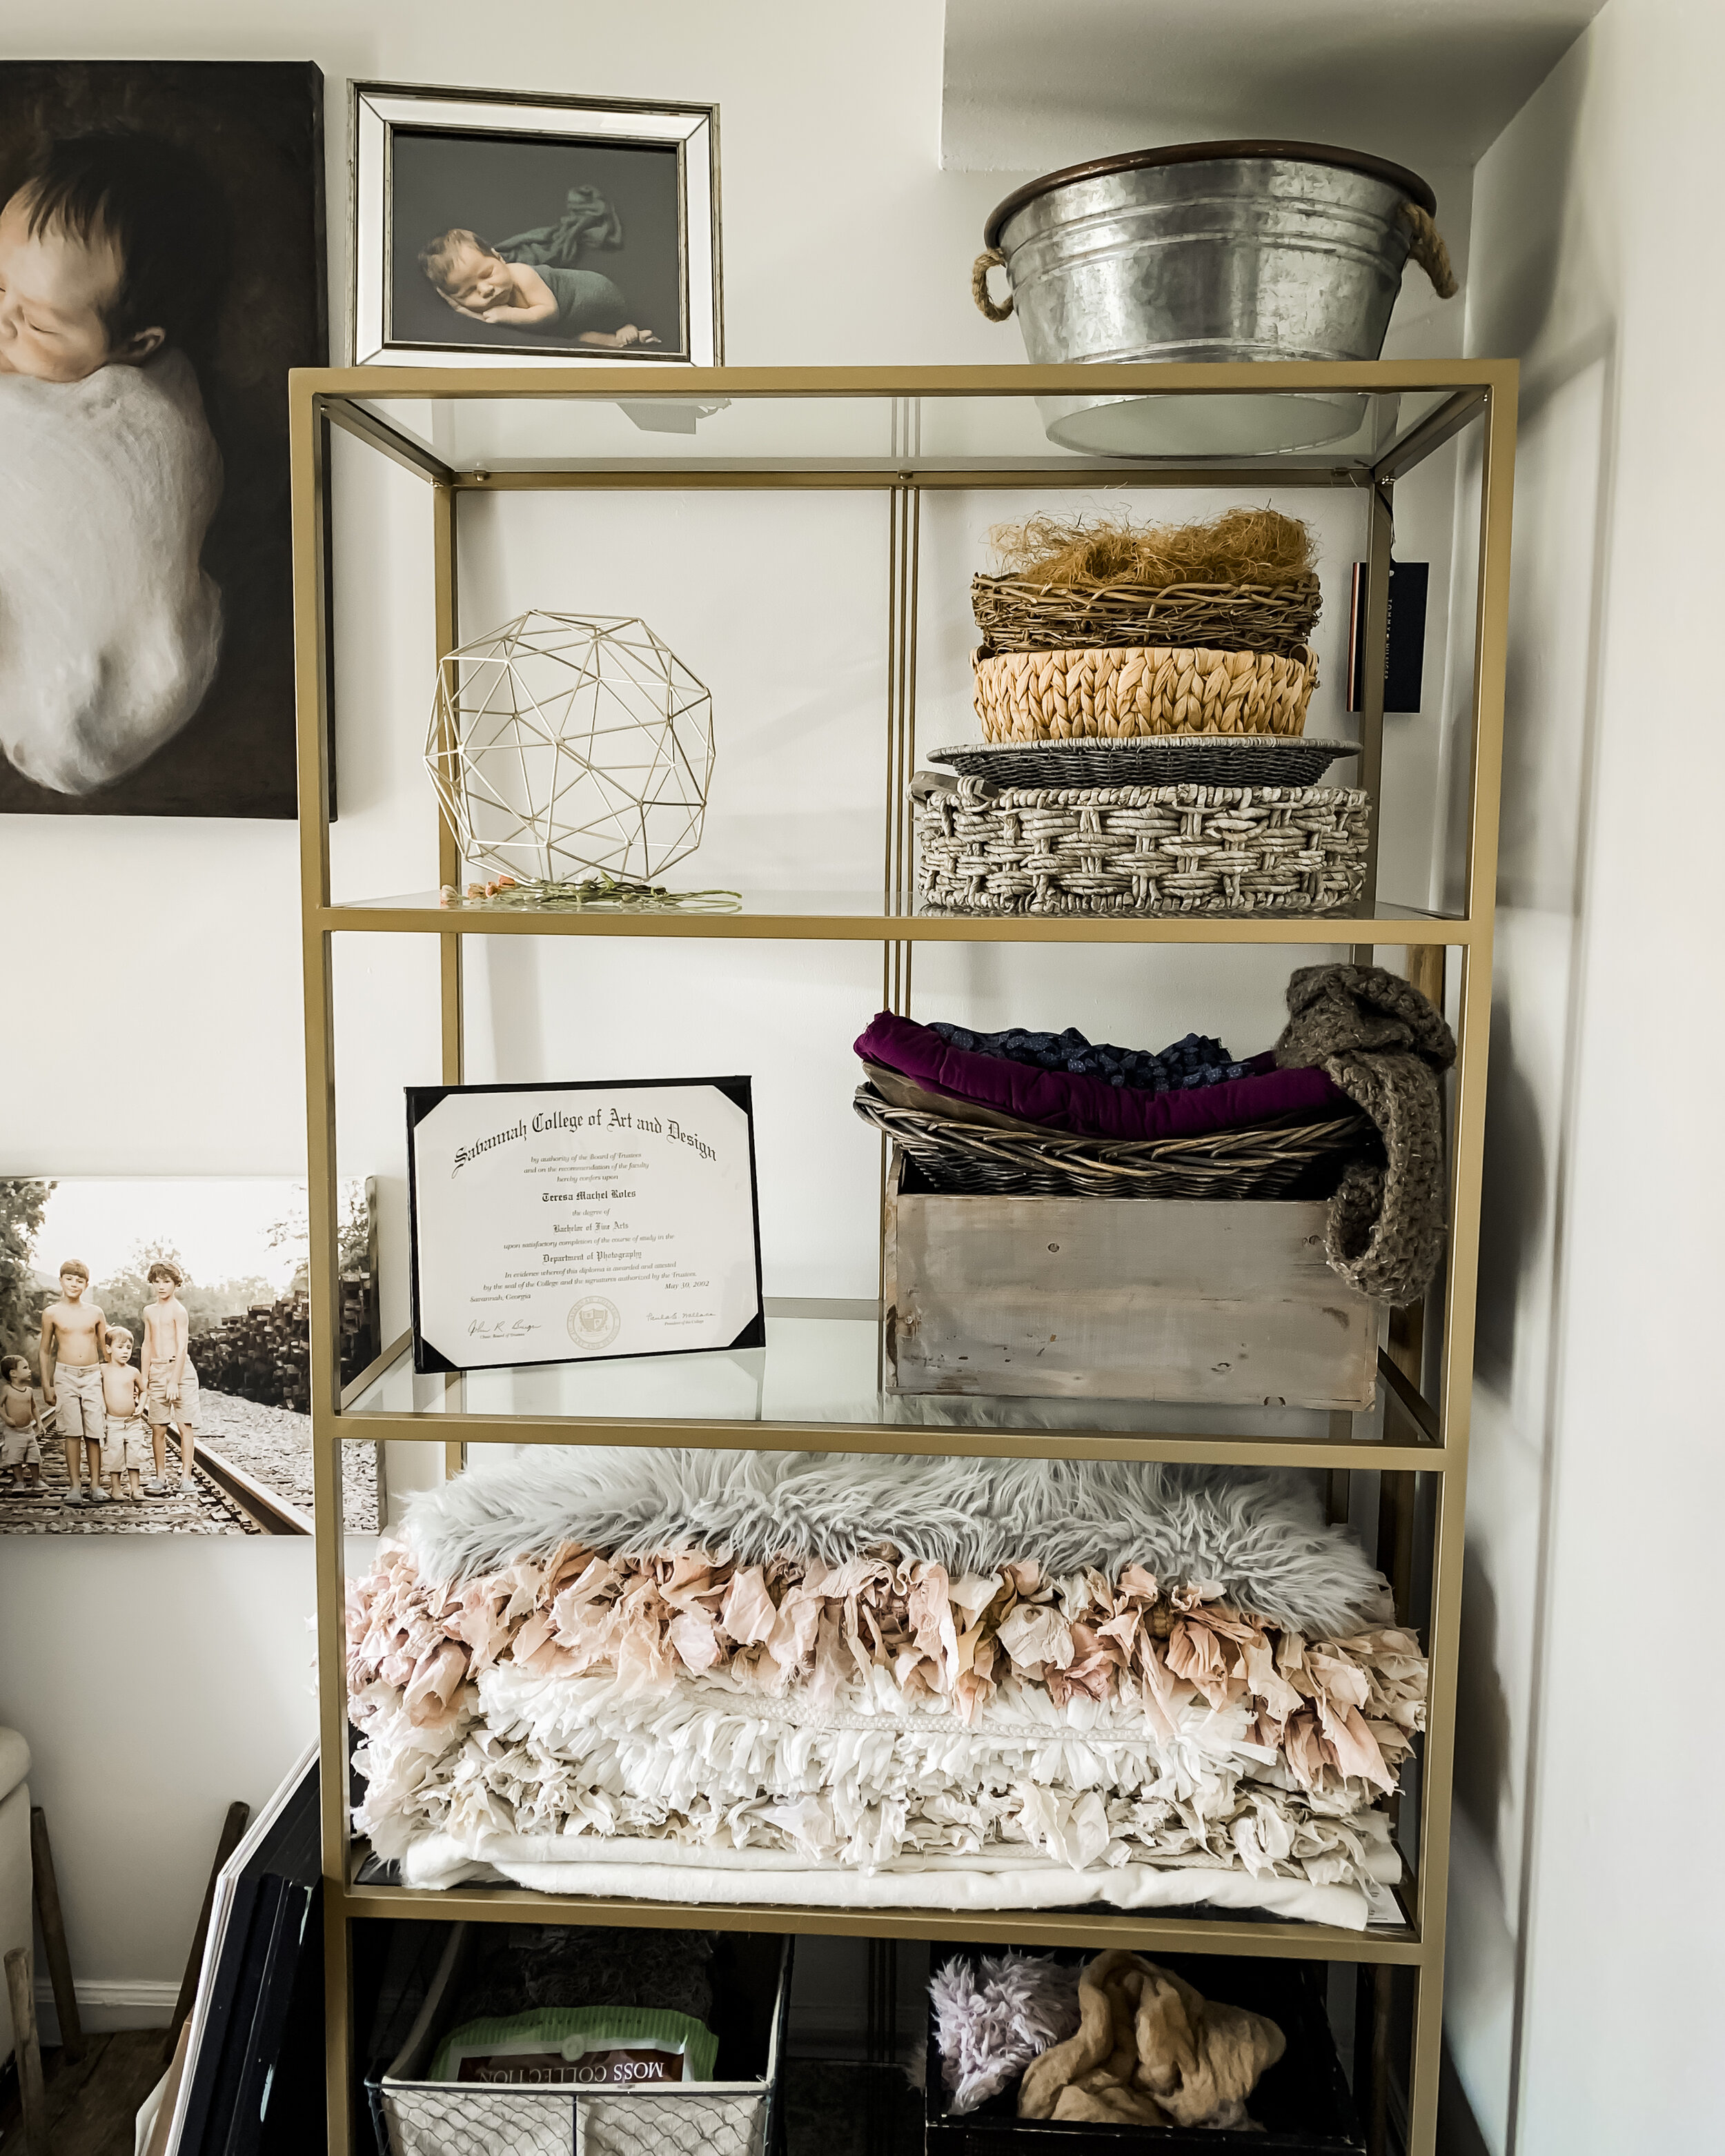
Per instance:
(105,2003)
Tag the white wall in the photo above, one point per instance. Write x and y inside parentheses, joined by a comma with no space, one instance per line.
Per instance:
(156,1682)
(1584,1992)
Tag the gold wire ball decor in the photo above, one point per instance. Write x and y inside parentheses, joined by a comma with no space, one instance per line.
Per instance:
(564,741)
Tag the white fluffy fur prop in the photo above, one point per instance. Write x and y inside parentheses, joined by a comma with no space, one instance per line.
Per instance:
(990,2022)
(1263,1537)
(109,628)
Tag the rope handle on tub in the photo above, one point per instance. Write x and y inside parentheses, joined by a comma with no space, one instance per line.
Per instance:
(993,258)
(1429,251)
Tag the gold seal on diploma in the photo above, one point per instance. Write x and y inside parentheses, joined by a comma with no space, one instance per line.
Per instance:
(593,1322)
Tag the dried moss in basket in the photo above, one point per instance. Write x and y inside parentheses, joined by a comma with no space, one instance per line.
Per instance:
(1239,546)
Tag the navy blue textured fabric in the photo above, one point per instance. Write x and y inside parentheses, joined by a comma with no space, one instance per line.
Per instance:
(1194,1060)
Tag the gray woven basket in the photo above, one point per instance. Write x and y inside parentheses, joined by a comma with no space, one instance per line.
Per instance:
(1173,759)
(1142,850)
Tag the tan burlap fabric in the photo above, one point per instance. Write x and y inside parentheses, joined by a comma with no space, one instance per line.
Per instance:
(1151,2051)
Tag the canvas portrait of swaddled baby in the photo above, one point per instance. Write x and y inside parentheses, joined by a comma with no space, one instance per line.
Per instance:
(162,265)
(500,229)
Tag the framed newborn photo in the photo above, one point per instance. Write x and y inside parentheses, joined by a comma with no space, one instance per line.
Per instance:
(490,229)
(162,264)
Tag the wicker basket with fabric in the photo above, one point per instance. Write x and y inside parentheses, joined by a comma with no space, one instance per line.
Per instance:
(1017,613)
(1121,693)
(1235,850)
(1282,1159)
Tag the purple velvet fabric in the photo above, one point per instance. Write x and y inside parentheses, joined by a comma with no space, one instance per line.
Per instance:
(1065,1101)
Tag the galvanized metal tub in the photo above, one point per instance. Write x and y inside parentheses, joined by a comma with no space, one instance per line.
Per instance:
(1209,251)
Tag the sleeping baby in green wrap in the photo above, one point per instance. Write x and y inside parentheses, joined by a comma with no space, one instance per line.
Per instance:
(479,281)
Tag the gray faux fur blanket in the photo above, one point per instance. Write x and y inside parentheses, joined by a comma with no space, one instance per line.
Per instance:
(1262,1537)
(1385,1045)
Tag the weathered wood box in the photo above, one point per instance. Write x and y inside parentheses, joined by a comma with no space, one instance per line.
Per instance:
(1129,1298)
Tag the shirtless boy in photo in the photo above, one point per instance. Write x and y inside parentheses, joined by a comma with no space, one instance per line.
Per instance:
(170,1382)
(123,1440)
(20,1438)
(74,1338)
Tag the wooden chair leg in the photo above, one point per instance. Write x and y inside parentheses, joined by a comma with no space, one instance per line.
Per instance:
(32,2097)
(232,1827)
(47,1890)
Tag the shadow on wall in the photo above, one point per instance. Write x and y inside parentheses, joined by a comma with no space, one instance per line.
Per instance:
(1483,1765)
(1513,1208)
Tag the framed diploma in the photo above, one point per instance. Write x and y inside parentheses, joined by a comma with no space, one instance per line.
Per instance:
(565,1224)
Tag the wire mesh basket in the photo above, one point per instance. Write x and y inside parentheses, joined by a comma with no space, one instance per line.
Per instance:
(731,2117)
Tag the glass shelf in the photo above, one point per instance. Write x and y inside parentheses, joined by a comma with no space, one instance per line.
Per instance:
(815,1386)
(864,917)
(1143,1930)
(951,424)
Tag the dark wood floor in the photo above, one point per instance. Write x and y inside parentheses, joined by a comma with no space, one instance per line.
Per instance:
(92,2105)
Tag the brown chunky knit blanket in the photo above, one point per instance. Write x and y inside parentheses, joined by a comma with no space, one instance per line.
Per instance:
(1385,1045)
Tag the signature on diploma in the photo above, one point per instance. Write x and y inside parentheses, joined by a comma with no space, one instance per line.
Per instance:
(498,1328)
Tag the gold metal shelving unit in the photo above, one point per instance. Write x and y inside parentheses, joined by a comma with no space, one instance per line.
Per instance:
(902,433)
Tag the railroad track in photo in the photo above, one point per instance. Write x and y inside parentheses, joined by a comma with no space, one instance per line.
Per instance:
(251,1475)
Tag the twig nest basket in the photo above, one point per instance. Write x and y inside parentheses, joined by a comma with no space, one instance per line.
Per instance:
(1123,692)
(1114,850)
(1019,613)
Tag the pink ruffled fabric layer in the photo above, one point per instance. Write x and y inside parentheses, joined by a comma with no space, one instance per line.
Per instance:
(1339,1712)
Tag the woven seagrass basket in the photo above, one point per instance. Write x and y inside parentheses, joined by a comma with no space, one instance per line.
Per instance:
(1237,849)
(1123,693)
(1286,1159)
(1015,613)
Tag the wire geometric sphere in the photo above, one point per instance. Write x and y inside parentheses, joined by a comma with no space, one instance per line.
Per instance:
(564,741)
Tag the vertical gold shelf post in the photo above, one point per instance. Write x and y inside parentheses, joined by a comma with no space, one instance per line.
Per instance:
(904,525)
(446,632)
(1461,1275)
(308,479)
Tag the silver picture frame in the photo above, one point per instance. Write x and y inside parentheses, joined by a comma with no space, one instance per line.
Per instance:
(380,112)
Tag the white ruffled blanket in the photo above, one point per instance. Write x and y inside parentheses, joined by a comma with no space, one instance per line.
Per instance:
(1083,1800)
(866,1729)
(629,1871)
(110,630)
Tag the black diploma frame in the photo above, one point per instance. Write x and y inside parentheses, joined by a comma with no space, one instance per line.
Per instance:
(510,1119)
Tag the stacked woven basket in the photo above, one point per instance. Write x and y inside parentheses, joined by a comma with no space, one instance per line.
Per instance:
(1142,739)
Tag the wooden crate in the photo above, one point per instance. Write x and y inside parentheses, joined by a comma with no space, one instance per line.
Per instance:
(1104,1298)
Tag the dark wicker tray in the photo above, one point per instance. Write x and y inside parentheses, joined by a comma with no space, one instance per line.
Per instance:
(1287,1158)
(1016,614)
(1168,760)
